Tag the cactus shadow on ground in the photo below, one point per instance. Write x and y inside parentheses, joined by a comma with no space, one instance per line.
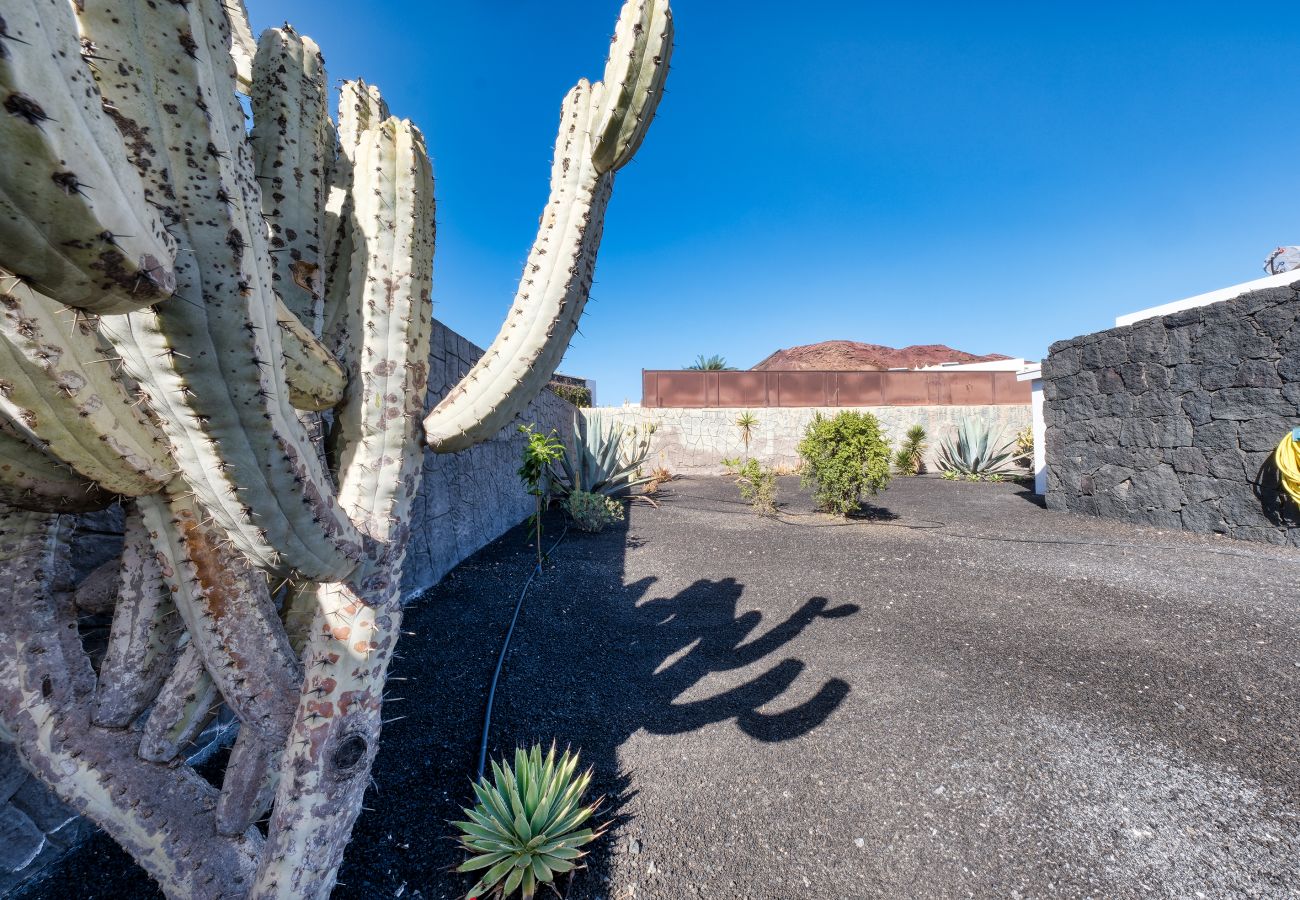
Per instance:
(594,662)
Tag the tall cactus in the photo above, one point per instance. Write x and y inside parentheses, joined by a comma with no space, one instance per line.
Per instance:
(179,300)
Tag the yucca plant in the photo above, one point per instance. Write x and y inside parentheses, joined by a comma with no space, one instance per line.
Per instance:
(909,458)
(604,460)
(747,422)
(529,823)
(976,453)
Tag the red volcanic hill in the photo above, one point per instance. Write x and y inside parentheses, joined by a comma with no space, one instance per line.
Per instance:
(852,355)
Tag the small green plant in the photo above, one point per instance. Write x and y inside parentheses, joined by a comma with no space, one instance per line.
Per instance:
(746,422)
(528,824)
(540,451)
(714,363)
(845,457)
(976,453)
(757,485)
(909,458)
(592,512)
(604,460)
(1025,446)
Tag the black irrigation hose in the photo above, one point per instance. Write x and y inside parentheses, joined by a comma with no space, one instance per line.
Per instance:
(505,646)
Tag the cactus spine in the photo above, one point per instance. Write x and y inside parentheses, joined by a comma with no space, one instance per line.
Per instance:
(179,300)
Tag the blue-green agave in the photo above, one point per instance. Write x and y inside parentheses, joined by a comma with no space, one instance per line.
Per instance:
(528,824)
(977,452)
(604,460)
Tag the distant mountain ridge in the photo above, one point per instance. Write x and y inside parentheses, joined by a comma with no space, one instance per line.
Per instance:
(854,355)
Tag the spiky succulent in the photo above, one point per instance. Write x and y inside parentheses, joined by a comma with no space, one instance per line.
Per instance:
(909,458)
(604,460)
(529,823)
(977,453)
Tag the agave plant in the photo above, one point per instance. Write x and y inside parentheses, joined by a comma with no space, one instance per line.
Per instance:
(976,453)
(604,460)
(527,826)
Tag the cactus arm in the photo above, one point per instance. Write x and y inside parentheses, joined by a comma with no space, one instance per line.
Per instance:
(634,81)
(186,702)
(552,292)
(144,640)
(243,46)
(232,428)
(61,391)
(289,149)
(325,767)
(315,379)
(30,479)
(249,783)
(228,613)
(379,460)
(360,107)
(72,214)
(159,814)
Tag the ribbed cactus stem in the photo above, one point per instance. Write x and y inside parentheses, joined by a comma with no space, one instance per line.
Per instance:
(31,479)
(228,613)
(552,292)
(73,216)
(634,81)
(356,625)
(315,379)
(289,152)
(61,389)
(213,366)
(157,813)
(186,703)
(145,637)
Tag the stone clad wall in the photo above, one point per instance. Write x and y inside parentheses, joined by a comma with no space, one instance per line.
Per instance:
(696,440)
(470,498)
(1172,421)
(467,500)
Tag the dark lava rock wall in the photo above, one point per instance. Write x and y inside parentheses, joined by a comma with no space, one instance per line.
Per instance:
(1172,421)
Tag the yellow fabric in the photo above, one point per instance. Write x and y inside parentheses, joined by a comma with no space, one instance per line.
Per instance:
(1288,463)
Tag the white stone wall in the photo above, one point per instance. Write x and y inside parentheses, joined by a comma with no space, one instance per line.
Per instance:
(695,440)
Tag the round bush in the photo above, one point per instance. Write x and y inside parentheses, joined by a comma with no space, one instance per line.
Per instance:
(845,457)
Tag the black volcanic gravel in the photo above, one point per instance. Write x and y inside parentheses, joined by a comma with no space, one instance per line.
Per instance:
(960,694)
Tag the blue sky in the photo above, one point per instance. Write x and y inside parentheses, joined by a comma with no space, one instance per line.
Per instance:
(990,176)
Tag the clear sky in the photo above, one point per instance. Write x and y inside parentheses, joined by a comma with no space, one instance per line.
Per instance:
(993,176)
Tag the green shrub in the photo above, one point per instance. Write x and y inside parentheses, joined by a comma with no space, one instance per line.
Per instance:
(845,458)
(592,512)
(757,484)
(909,458)
(578,396)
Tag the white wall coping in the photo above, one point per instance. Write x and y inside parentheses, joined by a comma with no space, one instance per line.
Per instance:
(1030,373)
(1283,279)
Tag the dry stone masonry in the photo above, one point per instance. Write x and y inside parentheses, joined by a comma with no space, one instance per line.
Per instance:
(697,440)
(1172,421)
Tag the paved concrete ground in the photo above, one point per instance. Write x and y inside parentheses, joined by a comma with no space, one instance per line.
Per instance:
(964,696)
